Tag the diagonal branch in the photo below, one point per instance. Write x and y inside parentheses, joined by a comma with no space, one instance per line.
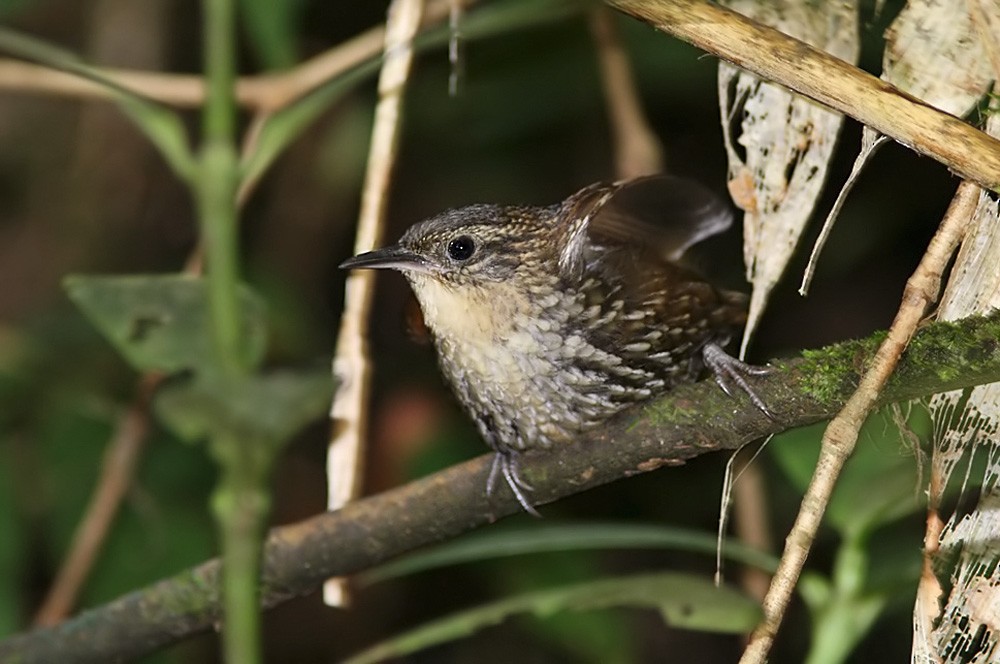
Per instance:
(121,459)
(841,436)
(351,362)
(261,93)
(690,421)
(775,56)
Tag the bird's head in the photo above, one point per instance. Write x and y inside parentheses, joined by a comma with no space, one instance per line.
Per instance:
(473,246)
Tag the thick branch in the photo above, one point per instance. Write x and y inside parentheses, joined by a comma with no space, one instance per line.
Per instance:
(692,420)
(775,56)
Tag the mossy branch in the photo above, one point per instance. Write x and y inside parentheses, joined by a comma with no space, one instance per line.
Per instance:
(690,421)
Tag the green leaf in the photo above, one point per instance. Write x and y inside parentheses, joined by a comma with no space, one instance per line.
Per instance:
(269,408)
(272,28)
(161,322)
(542,538)
(879,481)
(285,125)
(603,636)
(162,126)
(840,626)
(684,601)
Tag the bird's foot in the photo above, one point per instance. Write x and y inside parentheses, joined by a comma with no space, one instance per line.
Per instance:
(505,463)
(729,371)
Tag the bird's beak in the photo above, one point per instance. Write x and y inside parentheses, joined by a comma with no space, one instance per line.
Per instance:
(392,257)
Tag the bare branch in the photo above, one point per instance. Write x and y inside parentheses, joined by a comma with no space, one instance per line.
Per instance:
(841,434)
(691,421)
(351,365)
(260,94)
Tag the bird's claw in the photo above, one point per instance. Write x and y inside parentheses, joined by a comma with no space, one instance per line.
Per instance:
(728,371)
(505,463)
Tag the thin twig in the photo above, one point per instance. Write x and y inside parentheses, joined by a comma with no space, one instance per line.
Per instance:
(121,458)
(637,148)
(261,93)
(690,421)
(775,56)
(345,461)
(752,521)
(867,151)
(841,434)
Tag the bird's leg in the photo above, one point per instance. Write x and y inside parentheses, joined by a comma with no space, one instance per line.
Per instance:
(728,371)
(505,463)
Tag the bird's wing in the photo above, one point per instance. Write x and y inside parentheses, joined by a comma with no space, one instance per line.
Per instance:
(662,214)
(620,245)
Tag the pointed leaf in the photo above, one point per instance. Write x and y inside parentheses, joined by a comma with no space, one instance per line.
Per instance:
(779,144)
(270,408)
(542,538)
(161,125)
(684,601)
(160,322)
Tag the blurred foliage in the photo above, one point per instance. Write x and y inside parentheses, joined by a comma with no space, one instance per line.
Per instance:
(272,30)
(160,323)
(527,125)
(879,486)
(682,600)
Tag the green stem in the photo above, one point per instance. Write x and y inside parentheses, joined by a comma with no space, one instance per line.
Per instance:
(240,503)
(217,185)
(845,613)
(219,43)
(217,210)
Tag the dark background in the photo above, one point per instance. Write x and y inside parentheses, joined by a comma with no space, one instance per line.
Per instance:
(81,191)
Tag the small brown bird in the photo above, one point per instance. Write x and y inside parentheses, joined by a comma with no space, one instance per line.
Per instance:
(549,320)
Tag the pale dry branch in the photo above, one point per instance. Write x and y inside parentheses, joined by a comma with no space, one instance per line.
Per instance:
(351,366)
(262,93)
(637,149)
(970,153)
(841,434)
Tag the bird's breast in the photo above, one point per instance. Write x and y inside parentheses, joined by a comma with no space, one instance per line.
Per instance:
(514,360)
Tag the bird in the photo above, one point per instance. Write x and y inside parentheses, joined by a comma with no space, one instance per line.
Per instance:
(549,320)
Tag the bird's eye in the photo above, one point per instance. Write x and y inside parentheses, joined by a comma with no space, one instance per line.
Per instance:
(461,248)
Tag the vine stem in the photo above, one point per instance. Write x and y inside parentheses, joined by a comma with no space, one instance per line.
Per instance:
(216,188)
(240,504)
(240,501)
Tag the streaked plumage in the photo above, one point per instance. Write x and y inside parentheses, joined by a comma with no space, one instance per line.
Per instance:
(549,320)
